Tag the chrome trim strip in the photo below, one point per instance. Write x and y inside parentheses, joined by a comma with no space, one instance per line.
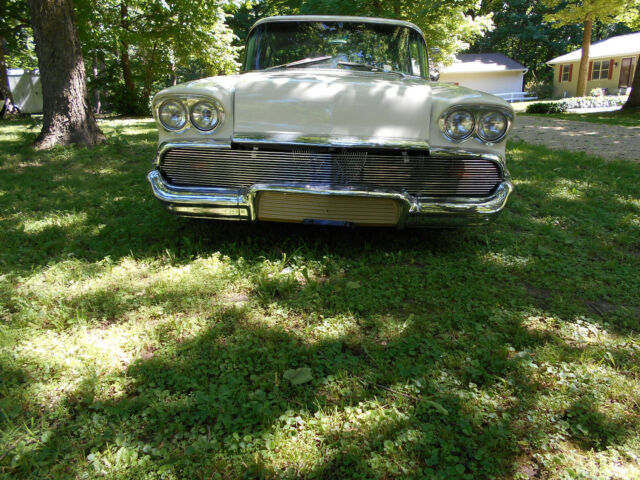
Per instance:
(234,204)
(162,149)
(330,141)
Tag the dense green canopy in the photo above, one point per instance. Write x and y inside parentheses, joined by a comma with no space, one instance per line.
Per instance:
(132,48)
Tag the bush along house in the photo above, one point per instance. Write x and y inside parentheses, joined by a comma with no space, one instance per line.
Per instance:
(612,63)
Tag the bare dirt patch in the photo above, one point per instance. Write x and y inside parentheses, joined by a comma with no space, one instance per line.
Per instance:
(607,141)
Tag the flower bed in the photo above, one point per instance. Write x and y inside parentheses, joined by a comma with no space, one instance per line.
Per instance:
(576,102)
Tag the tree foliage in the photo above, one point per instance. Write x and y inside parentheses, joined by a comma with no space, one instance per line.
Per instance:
(143,45)
(522,34)
(586,12)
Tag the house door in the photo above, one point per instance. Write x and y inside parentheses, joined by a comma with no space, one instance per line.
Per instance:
(626,72)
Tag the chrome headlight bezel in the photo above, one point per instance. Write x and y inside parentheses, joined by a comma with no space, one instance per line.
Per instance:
(478,112)
(183,111)
(444,119)
(215,105)
(480,128)
(188,101)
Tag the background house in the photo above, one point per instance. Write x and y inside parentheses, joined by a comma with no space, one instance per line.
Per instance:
(612,63)
(489,72)
(26,90)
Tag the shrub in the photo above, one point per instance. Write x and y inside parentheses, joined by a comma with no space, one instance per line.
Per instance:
(543,89)
(576,102)
(547,107)
(594,102)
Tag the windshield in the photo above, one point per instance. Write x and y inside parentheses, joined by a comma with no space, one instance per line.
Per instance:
(349,45)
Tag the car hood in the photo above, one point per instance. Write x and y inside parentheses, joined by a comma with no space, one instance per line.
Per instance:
(315,105)
(346,107)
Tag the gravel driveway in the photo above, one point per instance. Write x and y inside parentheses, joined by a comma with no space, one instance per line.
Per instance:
(608,141)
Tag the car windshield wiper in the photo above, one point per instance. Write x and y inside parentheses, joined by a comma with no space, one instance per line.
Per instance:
(304,61)
(363,66)
(369,68)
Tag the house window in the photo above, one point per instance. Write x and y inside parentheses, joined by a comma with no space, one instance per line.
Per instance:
(566,73)
(600,70)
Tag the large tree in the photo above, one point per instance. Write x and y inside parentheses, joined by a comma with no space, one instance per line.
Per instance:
(585,12)
(67,116)
(633,102)
(631,17)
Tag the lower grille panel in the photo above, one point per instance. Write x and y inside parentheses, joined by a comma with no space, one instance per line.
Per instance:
(298,207)
(418,175)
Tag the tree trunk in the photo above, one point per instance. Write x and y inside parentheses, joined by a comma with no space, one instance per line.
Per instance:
(126,63)
(148,74)
(396,9)
(633,102)
(174,77)
(172,66)
(5,91)
(584,60)
(67,117)
(96,90)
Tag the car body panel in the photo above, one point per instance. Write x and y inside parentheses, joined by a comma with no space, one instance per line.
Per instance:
(338,110)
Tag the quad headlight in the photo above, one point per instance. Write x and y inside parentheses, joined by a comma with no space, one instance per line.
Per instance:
(492,126)
(485,123)
(172,114)
(458,124)
(205,115)
(176,113)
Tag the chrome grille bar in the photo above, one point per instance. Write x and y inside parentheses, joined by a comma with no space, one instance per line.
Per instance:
(417,175)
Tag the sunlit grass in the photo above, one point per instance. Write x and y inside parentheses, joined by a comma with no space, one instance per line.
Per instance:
(134,344)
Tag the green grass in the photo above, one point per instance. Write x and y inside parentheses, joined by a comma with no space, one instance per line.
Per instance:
(135,344)
(631,119)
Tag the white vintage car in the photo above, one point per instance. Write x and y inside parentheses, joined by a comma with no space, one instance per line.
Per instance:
(333,121)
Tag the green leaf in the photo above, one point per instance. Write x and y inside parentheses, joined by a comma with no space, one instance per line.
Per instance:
(437,406)
(298,376)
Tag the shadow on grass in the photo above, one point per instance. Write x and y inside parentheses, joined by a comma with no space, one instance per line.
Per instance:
(425,393)
(437,347)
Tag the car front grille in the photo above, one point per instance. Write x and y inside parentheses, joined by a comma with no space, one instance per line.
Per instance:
(419,175)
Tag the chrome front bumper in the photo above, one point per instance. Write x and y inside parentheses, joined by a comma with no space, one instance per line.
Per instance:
(239,204)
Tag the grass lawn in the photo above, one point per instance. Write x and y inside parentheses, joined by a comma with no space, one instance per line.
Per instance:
(135,344)
(608,118)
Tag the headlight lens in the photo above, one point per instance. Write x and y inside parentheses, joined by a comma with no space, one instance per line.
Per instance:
(204,115)
(172,115)
(492,126)
(459,124)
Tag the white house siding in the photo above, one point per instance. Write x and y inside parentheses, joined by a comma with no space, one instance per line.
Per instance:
(490,82)
(26,90)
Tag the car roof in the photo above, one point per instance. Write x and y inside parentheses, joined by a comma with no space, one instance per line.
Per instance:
(336,18)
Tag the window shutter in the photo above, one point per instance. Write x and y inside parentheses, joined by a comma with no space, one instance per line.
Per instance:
(610,69)
(590,69)
(570,71)
(560,75)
